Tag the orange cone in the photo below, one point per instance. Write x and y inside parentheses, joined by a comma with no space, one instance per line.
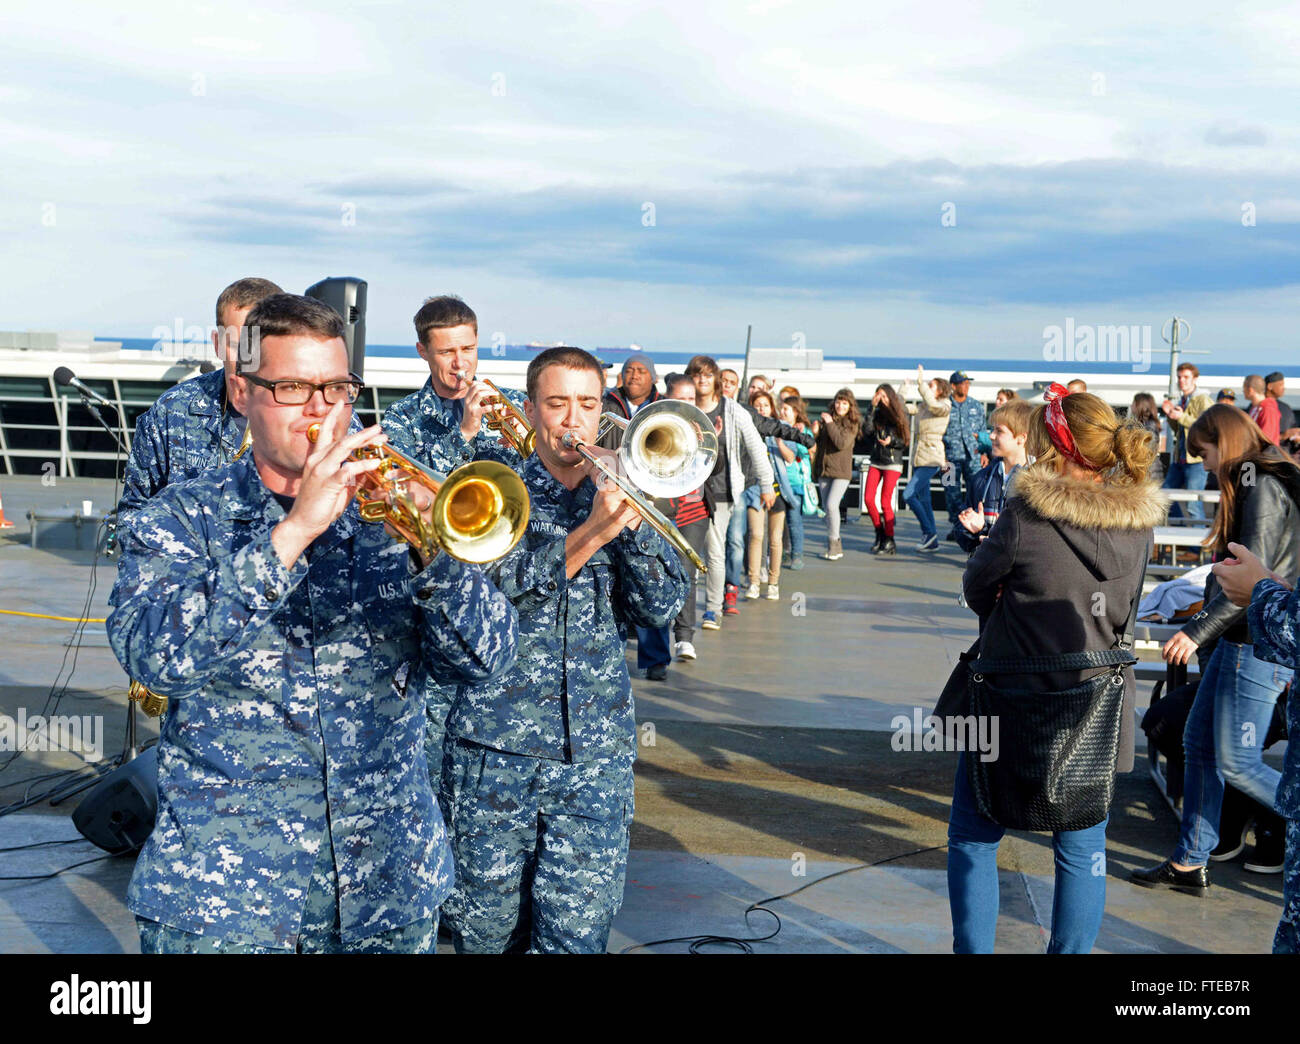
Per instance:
(4,522)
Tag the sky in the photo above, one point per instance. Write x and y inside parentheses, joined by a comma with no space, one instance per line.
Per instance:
(890,179)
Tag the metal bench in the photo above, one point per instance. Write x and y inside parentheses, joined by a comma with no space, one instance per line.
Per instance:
(78,520)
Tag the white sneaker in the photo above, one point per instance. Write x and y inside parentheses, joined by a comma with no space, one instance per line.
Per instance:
(751,592)
(773,593)
(684,651)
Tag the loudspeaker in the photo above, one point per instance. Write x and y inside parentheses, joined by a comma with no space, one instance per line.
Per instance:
(118,815)
(347,296)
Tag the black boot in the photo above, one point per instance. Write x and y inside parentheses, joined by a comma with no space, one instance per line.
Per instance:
(888,548)
(880,540)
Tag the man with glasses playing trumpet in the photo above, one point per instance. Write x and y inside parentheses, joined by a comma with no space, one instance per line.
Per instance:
(537,767)
(295,810)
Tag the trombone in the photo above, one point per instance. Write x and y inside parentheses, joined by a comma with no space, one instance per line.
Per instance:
(669,448)
(480,510)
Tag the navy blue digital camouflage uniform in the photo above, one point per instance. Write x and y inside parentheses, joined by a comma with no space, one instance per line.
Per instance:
(296,719)
(190,428)
(537,769)
(1274,616)
(426,427)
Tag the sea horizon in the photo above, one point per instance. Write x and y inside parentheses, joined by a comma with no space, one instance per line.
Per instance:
(670,357)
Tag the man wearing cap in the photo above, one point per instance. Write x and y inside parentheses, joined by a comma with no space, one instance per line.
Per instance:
(961,447)
(1229,396)
(637,389)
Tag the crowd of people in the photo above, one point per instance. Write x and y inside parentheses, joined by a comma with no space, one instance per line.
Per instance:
(476,717)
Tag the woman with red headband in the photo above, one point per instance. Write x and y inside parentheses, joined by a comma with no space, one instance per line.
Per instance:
(1050,681)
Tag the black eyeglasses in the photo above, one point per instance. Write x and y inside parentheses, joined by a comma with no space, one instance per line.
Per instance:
(299,393)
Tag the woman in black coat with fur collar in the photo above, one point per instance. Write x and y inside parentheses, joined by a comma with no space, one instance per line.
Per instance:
(1057,574)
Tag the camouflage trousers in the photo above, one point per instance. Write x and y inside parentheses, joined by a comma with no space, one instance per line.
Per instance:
(540,848)
(1287,937)
(319,933)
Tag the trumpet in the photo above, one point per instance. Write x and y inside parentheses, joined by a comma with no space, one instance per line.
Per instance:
(479,512)
(508,422)
(504,418)
(668,449)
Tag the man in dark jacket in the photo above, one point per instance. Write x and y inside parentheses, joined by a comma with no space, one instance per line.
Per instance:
(637,388)
(961,446)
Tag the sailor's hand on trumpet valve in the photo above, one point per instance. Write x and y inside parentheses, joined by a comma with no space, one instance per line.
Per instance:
(473,408)
(329,481)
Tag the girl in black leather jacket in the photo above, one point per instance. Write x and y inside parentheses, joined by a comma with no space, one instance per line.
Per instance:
(1223,740)
(888,430)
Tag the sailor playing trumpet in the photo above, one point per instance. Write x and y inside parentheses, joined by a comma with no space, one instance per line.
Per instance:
(453,418)
(294,640)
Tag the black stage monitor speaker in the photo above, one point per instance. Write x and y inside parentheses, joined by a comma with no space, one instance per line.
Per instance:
(118,815)
(347,296)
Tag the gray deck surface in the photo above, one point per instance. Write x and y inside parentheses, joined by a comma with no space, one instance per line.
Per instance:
(772,747)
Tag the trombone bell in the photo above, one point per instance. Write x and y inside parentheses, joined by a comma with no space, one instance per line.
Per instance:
(669,448)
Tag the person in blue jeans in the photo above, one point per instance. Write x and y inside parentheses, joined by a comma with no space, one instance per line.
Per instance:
(961,446)
(1079,901)
(1186,469)
(1076,522)
(928,456)
(799,472)
(1223,740)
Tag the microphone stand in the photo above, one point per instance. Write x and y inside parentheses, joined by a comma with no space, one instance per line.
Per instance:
(130,746)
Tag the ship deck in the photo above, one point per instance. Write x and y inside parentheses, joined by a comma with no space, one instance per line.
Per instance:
(764,765)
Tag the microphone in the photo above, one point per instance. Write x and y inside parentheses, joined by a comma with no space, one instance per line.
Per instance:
(68,379)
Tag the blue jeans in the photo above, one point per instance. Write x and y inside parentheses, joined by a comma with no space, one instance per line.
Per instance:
(652,647)
(736,530)
(963,470)
(1080,899)
(1186,476)
(794,526)
(1223,741)
(917,497)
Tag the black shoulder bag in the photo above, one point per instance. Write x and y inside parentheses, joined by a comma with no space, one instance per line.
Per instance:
(1055,764)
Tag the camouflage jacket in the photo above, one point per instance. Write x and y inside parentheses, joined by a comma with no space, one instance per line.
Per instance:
(569,696)
(188,430)
(296,708)
(1274,616)
(426,426)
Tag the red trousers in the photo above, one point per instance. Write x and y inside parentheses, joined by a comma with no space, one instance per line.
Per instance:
(884,481)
